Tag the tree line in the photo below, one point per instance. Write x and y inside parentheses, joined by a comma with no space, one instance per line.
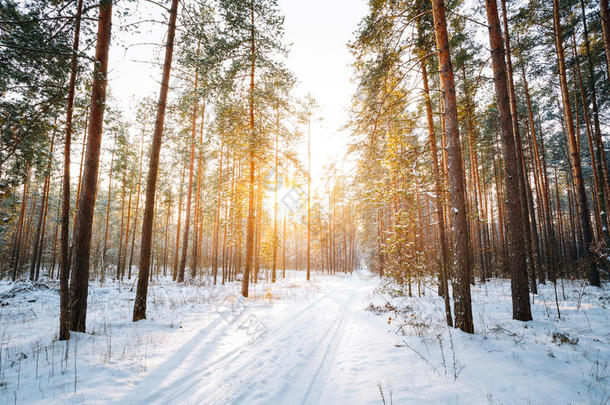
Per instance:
(479,135)
(205,185)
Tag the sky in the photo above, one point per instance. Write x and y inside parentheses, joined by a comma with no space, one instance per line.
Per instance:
(316,30)
(319,31)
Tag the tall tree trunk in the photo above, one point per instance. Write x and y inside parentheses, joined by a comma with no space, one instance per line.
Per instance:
(605,17)
(542,180)
(600,153)
(64,270)
(177,244)
(19,225)
(252,146)
(516,237)
(597,171)
(79,285)
(166,235)
(126,243)
(275,187)
(528,222)
(284,248)
(104,250)
(309,197)
(139,305)
(217,220)
(438,199)
(42,215)
(135,221)
(56,234)
(189,190)
(119,274)
(581,196)
(45,213)
(463,307)
(196,224)
(257,246)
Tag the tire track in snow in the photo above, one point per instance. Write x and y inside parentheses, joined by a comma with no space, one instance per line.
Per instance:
(184,382)
(317,358)
(163,372)
(314,391)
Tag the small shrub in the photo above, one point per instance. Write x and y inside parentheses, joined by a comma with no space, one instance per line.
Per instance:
(563,338)
(388,307)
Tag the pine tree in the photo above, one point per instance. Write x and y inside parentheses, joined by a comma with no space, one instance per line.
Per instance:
(79,284)
(463,306)
(516,247)
(139,306)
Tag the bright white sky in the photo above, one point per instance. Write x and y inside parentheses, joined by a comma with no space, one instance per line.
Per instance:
(318,31)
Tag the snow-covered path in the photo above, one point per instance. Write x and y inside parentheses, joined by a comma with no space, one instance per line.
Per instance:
(299,342)
(291,362)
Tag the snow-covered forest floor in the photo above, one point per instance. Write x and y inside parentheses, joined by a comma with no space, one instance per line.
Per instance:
(336,340)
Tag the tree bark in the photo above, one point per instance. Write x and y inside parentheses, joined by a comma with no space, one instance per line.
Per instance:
(438,199)
(108,211)
(309,196)
(275,188)
(251,199)
(135,221)
(581,196)
(79,285)
(605,17)
(189,190)
(463,307)
(516,246)
(528,222)
(600,153)
(139,306)
(177,245)
(42,216)
(64,270)
(217,220)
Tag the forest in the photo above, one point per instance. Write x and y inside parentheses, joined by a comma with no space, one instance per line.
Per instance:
(188,214)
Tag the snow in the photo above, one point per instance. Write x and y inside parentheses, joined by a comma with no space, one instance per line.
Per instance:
(334,340)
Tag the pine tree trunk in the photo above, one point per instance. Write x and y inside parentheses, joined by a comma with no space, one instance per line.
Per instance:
(463,308)
(45,210)
(275,188)
(516,237)
(600,152)
(596,166)
(139,306)
(119,274)
(257,236)
(126,243)
(444,286)
(56,234)
(528,223)
(583,208)
(284,248)
(542,182)
(251,199)
(217,220)
(64,269)
(196,224)
(166,235)
(104,250)
(308,198)
(189,190)
(605,17)
(41,215)
(79,285)
(135,221)
(177,245)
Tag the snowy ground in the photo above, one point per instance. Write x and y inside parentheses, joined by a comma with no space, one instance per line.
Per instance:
(335,340)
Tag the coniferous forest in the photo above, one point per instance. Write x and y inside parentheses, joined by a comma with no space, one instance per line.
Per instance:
(282,202)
